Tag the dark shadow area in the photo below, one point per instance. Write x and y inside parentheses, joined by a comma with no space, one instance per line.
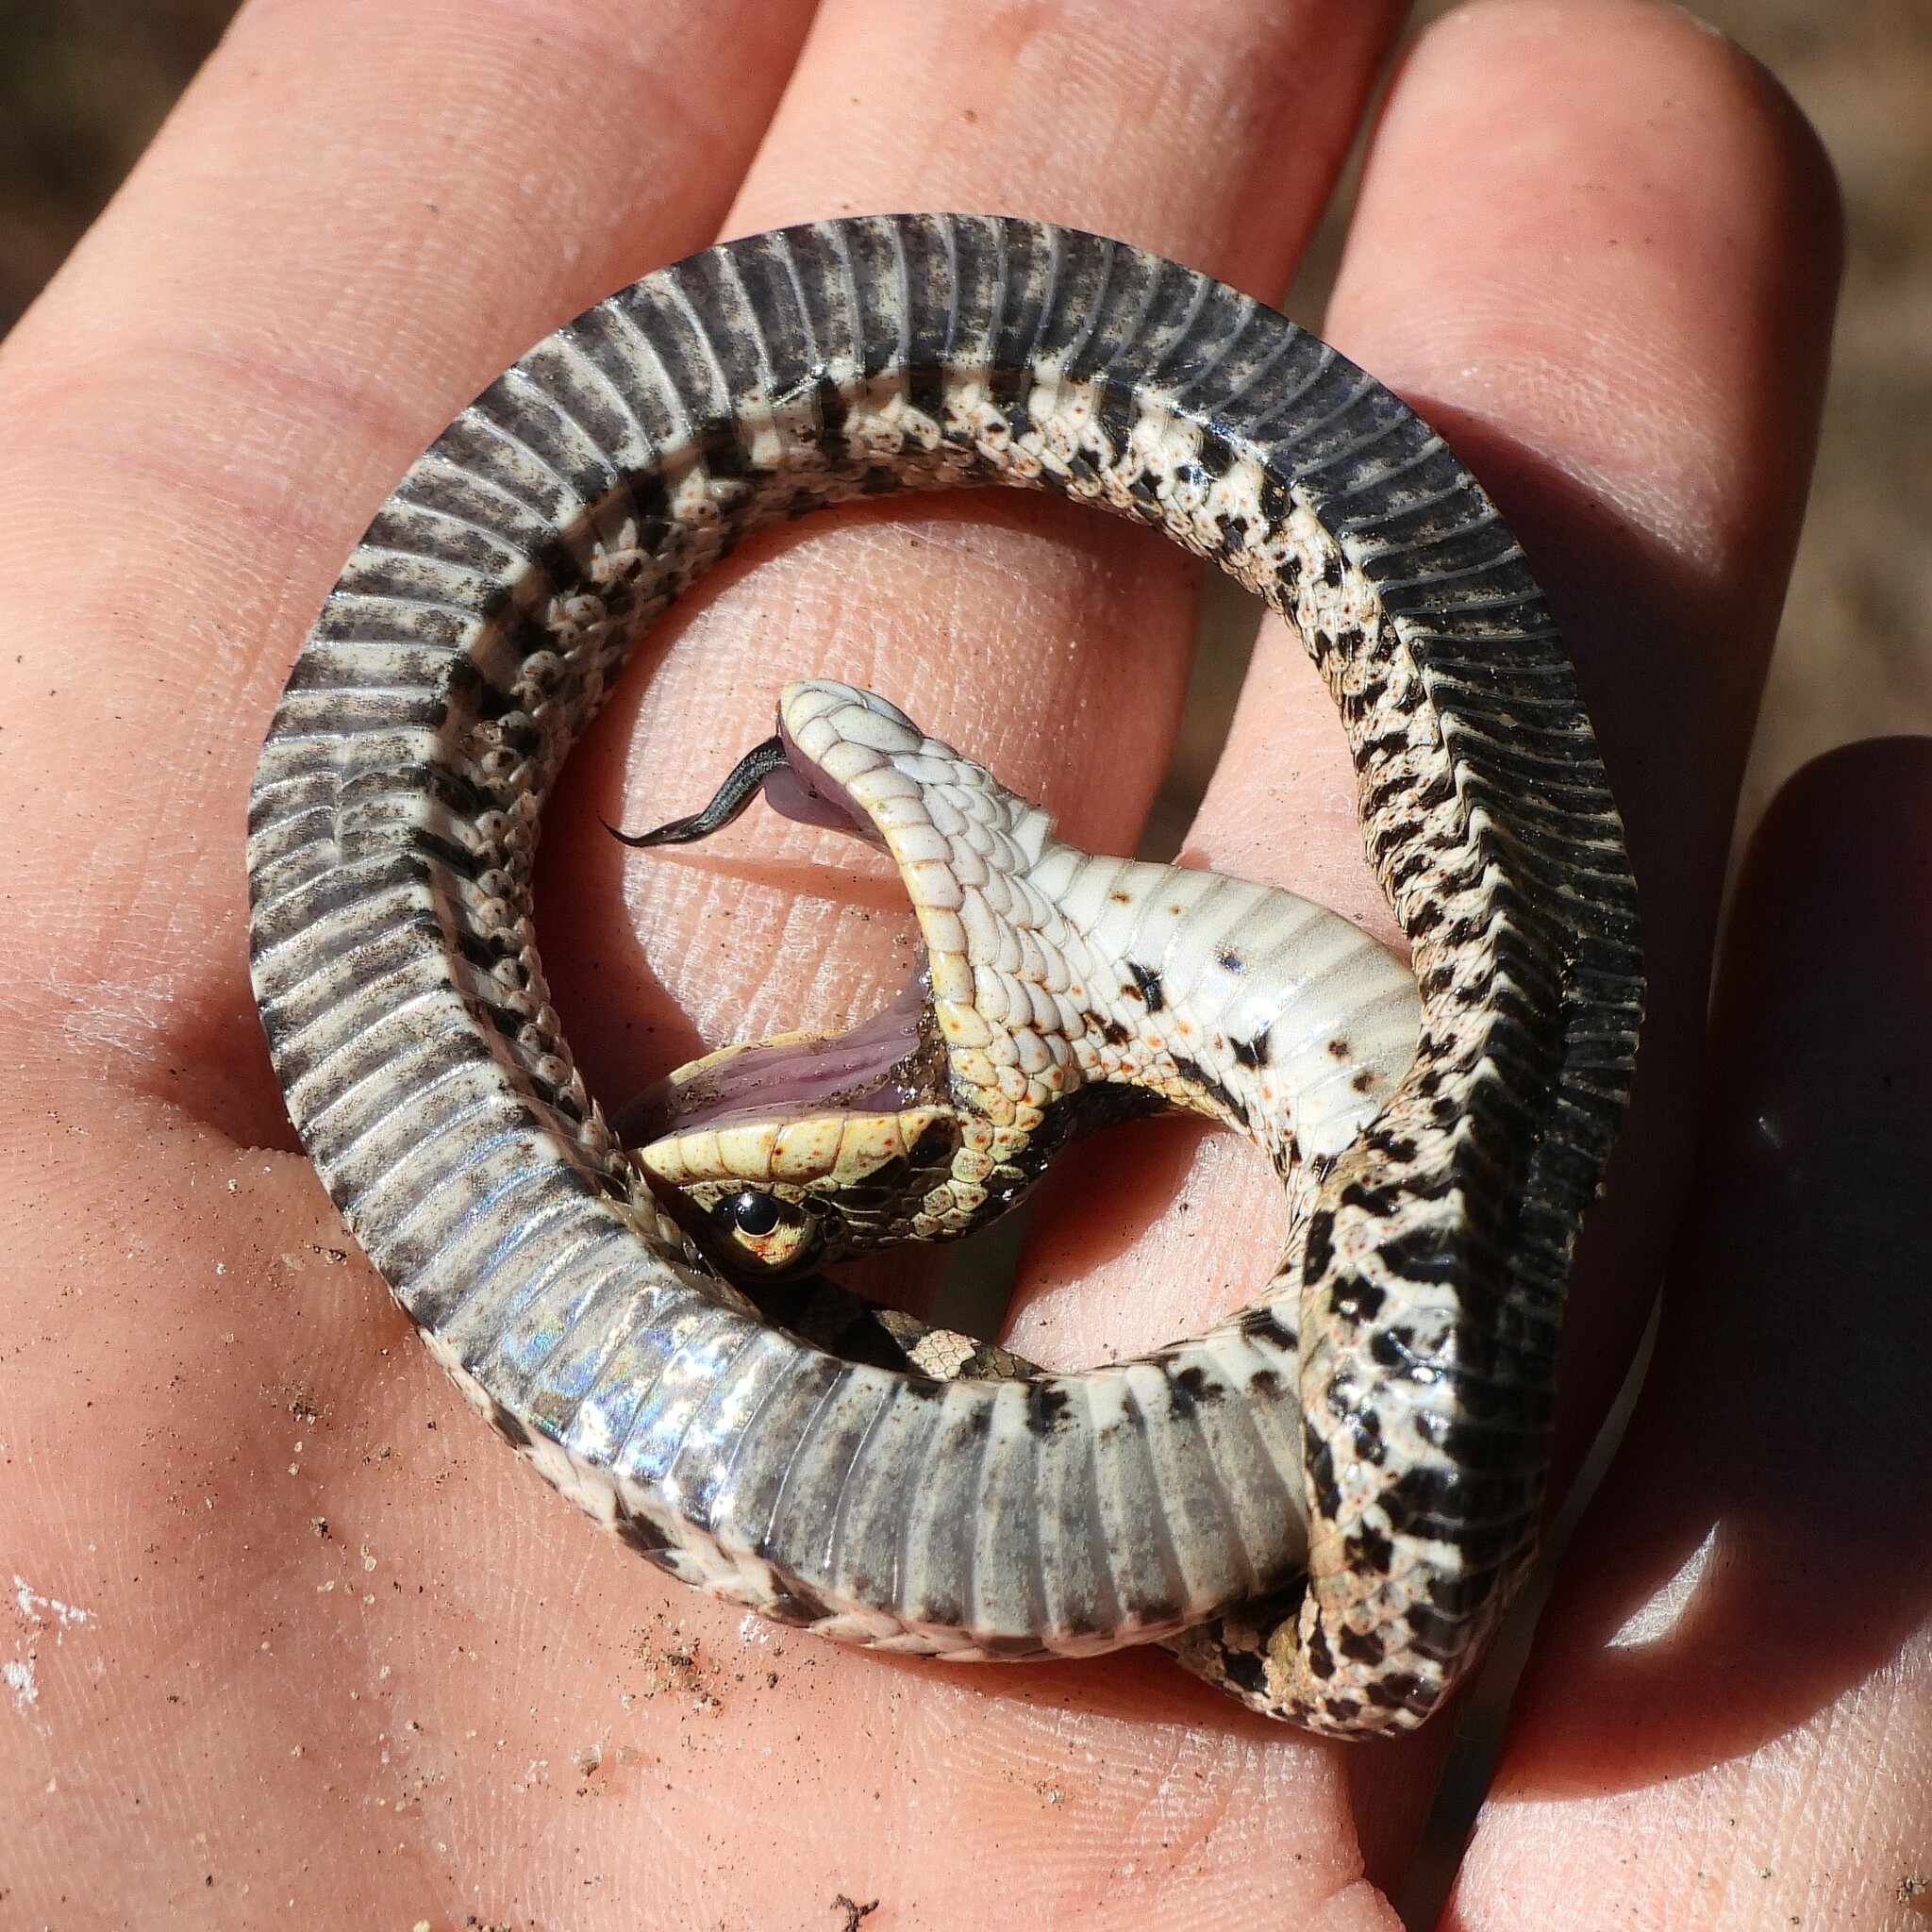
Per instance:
(1766,1544)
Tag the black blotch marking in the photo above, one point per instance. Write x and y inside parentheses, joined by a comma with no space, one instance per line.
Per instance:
(1370,1552)
(1361,1646)
(1116,415)
(1215,454)
(832,410)
(1047,1410)
(482,953)
(1331,570)
(1251,1052)
(723,454)
(643,1537)
(1363,1081)
(1146,986)
(1211,1085)
(507,1425)
(1425,1499)
(1338,1047)
(1321,1659)
(1263,1325)
(1395,1693)
(938,1140)
(1229,961)
(1422,1256)
(1319,1248)
(1266,1384)
(1115,1034)
(1247,1670)
(926,387)
(1434,1634)
(1391,1349)
(1233,535)
(797,1607)
(1358,1301)
(1183,1393)
(1318,1463)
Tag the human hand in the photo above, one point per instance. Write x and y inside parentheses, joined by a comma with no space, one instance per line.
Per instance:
(1593,245)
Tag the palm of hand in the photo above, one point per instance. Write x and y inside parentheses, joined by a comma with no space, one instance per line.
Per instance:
(308,1606)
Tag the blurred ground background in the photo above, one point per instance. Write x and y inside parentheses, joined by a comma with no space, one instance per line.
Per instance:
(84,83)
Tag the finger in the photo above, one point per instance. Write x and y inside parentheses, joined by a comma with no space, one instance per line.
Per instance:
(1659,490)
(1597,247)
(356,217)
(1739,1636)
(1049,643)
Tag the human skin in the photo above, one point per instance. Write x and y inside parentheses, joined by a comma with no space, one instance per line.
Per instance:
(290,1634)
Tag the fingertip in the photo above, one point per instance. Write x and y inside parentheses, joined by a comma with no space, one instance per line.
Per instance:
(1601,227)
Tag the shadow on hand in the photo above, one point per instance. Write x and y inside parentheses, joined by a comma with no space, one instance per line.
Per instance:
(1765,1545)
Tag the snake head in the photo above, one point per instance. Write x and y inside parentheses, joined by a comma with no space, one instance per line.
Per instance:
(777,1194)
(801,1150)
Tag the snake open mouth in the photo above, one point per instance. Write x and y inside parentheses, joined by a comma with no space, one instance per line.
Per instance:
(891,1063)
(1055,994)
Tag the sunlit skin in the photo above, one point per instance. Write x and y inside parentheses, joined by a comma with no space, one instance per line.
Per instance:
(290,1635)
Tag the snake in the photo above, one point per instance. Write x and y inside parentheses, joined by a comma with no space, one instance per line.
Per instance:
(1324,1504)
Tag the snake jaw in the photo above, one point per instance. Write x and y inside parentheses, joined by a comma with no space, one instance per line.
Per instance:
(853,1141)
(771,1196)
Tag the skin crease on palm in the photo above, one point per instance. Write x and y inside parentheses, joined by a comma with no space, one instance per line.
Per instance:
(288,1633)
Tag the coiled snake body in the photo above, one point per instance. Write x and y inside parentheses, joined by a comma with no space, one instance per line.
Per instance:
(1325,1502)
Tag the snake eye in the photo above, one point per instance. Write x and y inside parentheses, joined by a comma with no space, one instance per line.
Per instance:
(753,1214)
(765,1233)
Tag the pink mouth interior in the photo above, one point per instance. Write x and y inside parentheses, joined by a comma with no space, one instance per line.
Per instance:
(803,791)
(873,1068)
